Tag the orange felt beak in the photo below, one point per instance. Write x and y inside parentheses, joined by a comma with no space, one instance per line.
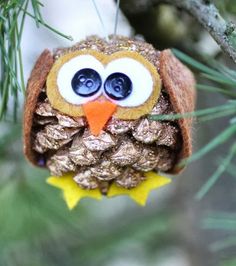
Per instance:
(97,114)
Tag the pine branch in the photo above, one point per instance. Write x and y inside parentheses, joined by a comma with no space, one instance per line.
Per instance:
(12,19)
(204,12)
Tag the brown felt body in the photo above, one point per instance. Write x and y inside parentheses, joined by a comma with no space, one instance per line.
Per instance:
(177,79)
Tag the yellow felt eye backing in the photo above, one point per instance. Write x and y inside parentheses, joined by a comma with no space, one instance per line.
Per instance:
(123,112)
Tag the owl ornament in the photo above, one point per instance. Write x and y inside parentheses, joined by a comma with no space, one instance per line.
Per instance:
(88,118)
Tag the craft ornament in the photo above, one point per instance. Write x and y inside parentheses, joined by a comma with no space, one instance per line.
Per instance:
(88,118)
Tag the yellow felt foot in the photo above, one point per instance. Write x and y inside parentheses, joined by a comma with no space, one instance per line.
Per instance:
(72,193)
(141,192)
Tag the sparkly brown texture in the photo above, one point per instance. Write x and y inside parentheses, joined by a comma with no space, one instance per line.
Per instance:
(43,142)
(106,170)
(45,120)
(170,136)
(67,121)
(35,84)
(147,131)
(148,159)
(85,180)
(107,156)
(60,163)
(80,154)
(130,178)
(59,132)
(117,126)
(44,109)
(126,153)
(163,106)
(179,83)
(165,159)
(101,142)
(115,44)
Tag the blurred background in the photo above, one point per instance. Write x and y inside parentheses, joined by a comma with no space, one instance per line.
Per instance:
(181,225)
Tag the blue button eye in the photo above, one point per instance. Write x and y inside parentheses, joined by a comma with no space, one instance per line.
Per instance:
(118,86)
(86,82)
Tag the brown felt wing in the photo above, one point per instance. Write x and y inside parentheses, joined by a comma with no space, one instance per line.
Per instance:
(179,83)
(35,84)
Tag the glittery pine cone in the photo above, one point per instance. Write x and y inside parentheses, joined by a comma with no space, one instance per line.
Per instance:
(125,149)
(122,151)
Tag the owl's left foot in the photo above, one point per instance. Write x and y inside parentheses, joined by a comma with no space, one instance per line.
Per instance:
(73,193)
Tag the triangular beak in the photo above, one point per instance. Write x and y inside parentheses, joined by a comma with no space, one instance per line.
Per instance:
(97,114)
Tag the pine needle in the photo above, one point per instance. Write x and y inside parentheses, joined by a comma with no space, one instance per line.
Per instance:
(48,26)
(220,79)
(199,66)
(199,113)
(213,89)
(217,73)
(223,113)
(218,140)
(219,171)
(12,18)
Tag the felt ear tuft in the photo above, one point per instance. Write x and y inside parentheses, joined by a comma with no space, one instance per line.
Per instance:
(35,84)
(179,83)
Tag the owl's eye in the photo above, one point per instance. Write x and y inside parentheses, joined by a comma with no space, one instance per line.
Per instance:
(118,86)
(129,83)
(79,80)
(86,82)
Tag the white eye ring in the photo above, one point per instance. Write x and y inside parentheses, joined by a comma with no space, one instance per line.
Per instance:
(68,71)
(140,76)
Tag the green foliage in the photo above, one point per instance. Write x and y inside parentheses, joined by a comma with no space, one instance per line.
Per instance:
(224,83)
(12,19)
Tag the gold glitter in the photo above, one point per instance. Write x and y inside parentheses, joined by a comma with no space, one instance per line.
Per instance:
(147,131)
(166,159)
(67,121)
(44,109)
(80,154)
(163,106)
(126,153)
(60,163)
(170,136)
(117,126)
(148,159)
(119,43)
(85,180)
(58,132)
(130,178)
(45,120)
(43,143)
(106,170)
(98,143)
